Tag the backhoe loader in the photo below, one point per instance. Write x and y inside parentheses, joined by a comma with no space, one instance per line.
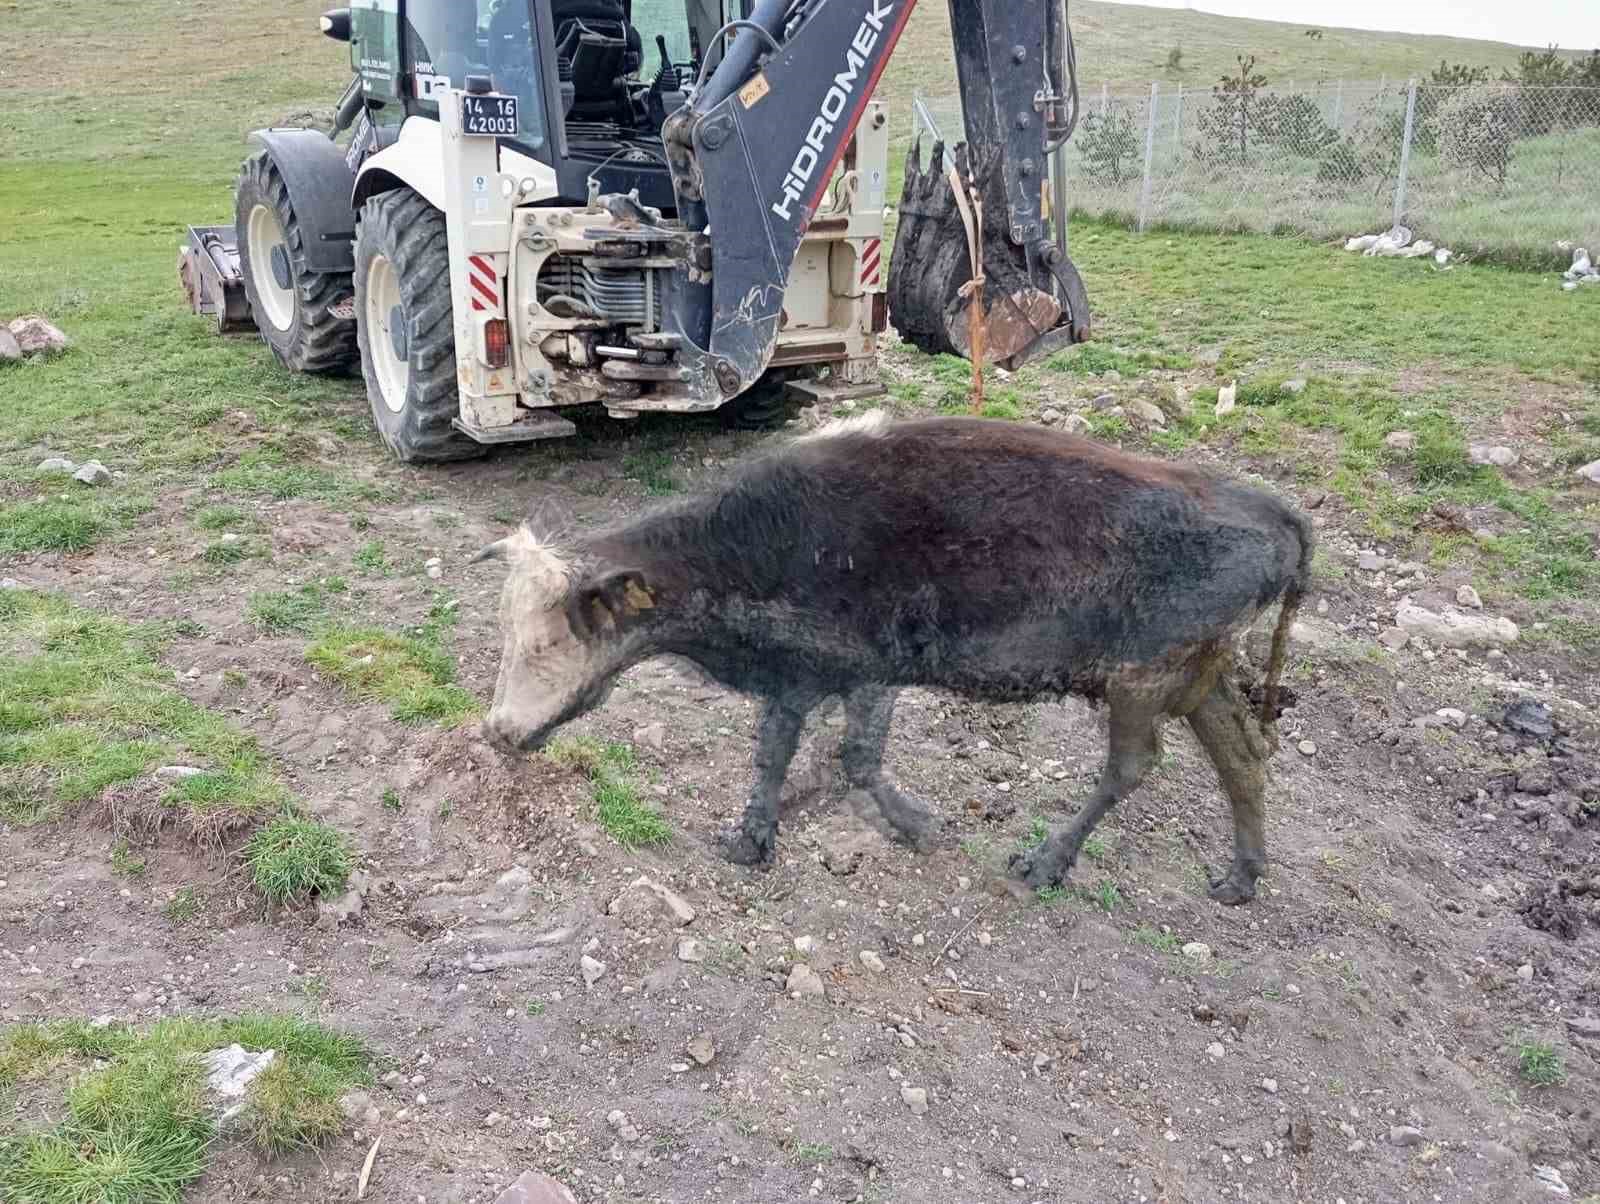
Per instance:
(525,206)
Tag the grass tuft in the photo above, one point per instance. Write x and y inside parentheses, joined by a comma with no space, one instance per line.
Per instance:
(412,674)
(51,526)
(1540,1063)
(276,613)
(630,821)
(291,859)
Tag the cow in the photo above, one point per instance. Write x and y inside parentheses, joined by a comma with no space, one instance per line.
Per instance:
(1000,561)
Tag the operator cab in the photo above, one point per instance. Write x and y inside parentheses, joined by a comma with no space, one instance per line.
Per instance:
(611,71)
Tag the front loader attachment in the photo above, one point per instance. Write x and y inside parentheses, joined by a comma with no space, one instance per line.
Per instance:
(1033,299)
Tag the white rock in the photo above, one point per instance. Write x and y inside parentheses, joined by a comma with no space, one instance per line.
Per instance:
(1076,424)
(652,735)
(176,773)
(1215,1049)
(230,1071)
(1492,454)
(872,961)
(92,473)
(10,349)
(1468,597)
(1147,412)
(803,983)
(592,969)
(1404,1135)
(1270,1086)
(1197,951)
(1525,972)
(1307,748)
(701,1050)
(1400,440)
(1442,256)
(56,464)
(1452,716)
(915,1098)
(1295,386)
(691,950)
(1452,629)
(1227,399)
(35,336)
(1590,472)
(805,944)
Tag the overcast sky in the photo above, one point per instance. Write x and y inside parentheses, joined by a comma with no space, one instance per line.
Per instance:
(1571,24)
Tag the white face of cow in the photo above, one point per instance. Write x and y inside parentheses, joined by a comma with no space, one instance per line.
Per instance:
(546,670)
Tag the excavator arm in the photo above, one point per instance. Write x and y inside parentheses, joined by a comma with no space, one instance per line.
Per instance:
(755,150)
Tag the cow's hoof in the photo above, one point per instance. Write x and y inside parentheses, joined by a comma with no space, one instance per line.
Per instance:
(1037,869)
(1231,891)
(739,847)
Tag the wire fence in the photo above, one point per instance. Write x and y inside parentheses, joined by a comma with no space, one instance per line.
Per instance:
(1502,171)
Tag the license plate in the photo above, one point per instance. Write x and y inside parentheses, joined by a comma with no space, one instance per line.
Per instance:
(489,116)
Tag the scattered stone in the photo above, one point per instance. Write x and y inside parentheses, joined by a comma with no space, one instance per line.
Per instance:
(10,349)
(1270,1086)
(1147,412)
(592,969)
(1452,629)
(1371,562)
(1525,972)
(985,938)
(872,961)
(1492,455)
(434,567)
(1308,748)
(35,336)
(1300,1132)
(1103,402)
(229,1073)
(1452,716)
(701,1050)
(1468,597)
(56,464)
(92,473)
(331,913)
(1182,405)
(915,1098)
(691,950)
(843,850)
(1209,356)
(1215,1049)
(1050,416)
(1295,386)
(1586,1028)
(359,1109)
(1590,472)
(1404,1135)
(9,583)
(804,983)
(1527,717)
(622,1126)
(652,735)
(1076,424)
(176,773)
(1197,951)
(1394,639)
(645,894)
(1400,440)
(1552,1180)
(805,945)
(1227,399)
(535,1188)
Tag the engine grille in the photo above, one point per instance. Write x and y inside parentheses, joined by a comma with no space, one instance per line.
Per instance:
(620,295)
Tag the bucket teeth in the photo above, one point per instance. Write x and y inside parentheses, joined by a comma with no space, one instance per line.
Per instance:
(1023,304)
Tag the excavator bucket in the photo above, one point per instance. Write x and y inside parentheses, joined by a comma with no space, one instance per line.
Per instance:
(1031,306)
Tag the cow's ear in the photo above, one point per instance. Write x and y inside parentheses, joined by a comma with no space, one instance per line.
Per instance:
(612,602)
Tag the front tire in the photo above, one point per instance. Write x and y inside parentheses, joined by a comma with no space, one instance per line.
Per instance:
(406,328)
(294,307)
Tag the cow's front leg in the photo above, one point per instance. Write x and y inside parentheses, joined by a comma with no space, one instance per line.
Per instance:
(755,840)
(868,714)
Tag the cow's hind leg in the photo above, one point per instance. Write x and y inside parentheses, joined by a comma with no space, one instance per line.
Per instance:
(755,840)
(868,713)
(1233,739)
(1133,750)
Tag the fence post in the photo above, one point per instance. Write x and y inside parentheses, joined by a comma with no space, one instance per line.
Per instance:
(1177,123)
(1105,99)
(1405,153)
(1338,104)
(1149,154)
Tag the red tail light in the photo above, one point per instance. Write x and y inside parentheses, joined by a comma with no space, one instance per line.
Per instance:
(880,312)
(496,343)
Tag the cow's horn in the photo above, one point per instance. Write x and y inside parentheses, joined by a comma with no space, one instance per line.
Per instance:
(495,551)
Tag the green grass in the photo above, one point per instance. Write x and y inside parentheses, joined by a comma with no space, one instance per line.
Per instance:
(1539,1063)
(390,799)
(291,859)
(652,468)
(281,612)
(413,674)
(1038,832)
(85,705)
(811,1153)
(137,1124)
(186,903)
(630,821)
(371,557)
(53,525)
(124,863)
(222,518)
(1154,938)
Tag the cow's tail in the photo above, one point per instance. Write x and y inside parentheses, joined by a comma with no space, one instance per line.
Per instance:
(1293,592)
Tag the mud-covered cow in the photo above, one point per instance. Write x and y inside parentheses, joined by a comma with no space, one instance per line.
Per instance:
(999,561)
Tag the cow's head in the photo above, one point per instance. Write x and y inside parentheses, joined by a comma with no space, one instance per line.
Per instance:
(567,635)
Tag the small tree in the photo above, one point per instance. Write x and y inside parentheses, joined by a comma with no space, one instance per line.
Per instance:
(1478,130)
(1295,124)
(1109,143)
(1229,121)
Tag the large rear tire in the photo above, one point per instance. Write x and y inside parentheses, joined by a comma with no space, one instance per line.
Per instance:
(303,315)
(406,328)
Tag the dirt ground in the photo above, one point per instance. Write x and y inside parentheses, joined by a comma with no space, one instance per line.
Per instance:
(1432,908)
